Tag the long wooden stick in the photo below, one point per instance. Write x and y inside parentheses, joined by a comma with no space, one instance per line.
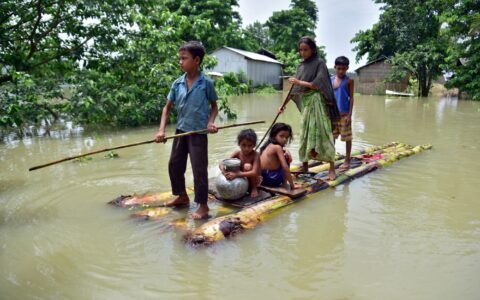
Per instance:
(276,117)
(142,143)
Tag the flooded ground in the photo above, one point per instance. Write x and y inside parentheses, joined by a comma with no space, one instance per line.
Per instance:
(409,231)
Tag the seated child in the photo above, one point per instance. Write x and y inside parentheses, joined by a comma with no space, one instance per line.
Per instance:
(249,161)
(273,159)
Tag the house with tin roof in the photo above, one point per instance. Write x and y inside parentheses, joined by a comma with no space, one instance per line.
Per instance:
(259,68)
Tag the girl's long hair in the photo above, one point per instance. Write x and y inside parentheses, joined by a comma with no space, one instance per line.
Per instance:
(273,133)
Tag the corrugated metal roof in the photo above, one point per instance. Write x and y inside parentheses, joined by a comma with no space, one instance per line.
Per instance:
(251,55)
(381,58)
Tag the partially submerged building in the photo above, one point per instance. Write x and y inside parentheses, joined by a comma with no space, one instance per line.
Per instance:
(259,68)
(372,79)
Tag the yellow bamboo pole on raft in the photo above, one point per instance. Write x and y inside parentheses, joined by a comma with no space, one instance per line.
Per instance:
(202,131)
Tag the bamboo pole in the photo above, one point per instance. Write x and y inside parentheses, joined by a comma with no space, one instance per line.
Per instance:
(202,131)
(276,117)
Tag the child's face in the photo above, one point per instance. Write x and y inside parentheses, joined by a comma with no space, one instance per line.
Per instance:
(341,70)
(282,137)
(305,51)
(187,62)
(246,146)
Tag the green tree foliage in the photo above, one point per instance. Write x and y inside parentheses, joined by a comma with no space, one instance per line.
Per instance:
(99,62)
(256,36)
(282,30)
(224,22)
(462,19)
(231,84)
(409,32)
(423,62)
(41,43)
(308,6)
(287,26)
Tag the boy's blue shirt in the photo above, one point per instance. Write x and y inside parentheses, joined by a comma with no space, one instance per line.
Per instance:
(342,95)
(192,106)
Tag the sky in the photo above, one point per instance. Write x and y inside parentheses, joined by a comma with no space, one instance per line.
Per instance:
(339,20)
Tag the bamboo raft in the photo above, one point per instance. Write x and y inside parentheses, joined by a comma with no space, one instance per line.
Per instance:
(228,219)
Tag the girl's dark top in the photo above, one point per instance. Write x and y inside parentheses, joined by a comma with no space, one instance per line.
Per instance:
(315,70)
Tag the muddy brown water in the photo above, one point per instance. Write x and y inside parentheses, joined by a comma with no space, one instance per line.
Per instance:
(409,231)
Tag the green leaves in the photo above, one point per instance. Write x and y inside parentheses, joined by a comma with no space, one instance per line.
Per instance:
(408,32)
(113,62)
(286,27)
(462,28)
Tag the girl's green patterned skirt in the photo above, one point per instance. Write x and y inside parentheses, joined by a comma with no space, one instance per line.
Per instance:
(316,132)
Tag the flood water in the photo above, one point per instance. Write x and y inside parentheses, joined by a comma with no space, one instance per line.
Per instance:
(408,231)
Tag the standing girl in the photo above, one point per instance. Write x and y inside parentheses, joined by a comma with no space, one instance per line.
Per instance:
(274,160)
(313,95)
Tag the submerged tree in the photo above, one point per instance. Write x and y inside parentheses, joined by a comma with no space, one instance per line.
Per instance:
(42,44)
(98,62)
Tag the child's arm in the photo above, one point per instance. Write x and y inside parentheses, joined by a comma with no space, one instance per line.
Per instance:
(160,137)
(285,167)
(350,86)
(212,128)
(254,172)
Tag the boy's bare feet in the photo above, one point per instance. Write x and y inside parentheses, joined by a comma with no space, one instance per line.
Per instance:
(254,193)
(201,212)
(181,200)
(345,166)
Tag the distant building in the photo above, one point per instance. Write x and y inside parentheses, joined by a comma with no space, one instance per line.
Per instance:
(372,79)
(266,53)
(261,69)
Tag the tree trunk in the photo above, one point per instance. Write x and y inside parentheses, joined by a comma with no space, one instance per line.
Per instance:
(422,81)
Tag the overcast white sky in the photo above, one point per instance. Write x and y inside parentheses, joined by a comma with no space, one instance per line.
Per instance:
(339,20)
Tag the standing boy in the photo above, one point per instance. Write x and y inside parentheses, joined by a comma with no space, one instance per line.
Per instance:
(343,90)
(192,94)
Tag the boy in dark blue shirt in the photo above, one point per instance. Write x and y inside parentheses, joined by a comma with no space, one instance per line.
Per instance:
(192,94)
(343,90)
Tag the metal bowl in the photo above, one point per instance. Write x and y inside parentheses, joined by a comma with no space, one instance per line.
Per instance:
(231,164)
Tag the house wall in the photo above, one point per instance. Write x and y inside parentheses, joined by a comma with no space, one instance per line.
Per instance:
(263,72)
(371,80)
(229,61)
(258,71)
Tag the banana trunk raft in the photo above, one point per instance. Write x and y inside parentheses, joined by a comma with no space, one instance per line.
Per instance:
(150,206)
(228,220)
(152,200)
(248,218)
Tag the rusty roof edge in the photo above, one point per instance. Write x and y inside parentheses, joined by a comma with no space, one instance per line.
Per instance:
(381,58)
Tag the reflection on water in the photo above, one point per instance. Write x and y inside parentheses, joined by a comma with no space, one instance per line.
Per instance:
(409,229)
